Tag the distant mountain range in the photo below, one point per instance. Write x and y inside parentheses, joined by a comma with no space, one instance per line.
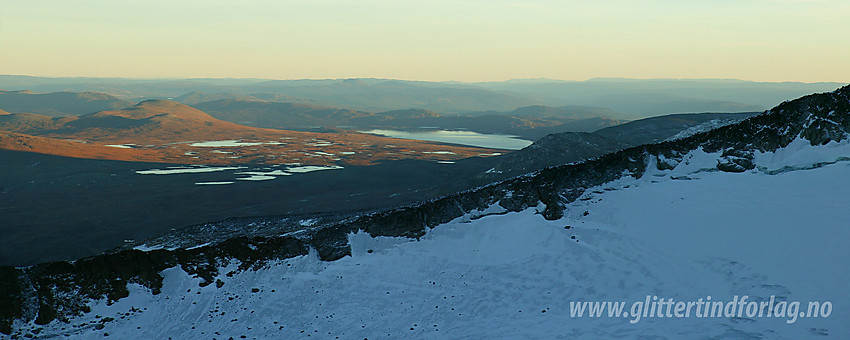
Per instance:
(638,98)
(629,98)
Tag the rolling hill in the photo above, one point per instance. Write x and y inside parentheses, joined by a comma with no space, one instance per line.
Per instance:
(167,131)
(59,104)
(196,97)
(279,115)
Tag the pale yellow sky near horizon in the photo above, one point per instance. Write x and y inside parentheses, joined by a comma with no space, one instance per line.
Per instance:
(436,40)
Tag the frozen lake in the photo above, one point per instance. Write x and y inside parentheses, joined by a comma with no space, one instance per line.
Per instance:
(495,141)
(225,143)
(257,174)
(187,170)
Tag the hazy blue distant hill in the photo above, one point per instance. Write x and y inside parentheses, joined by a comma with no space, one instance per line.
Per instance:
(616,98)
(277,97)
(560,112)
(362,94)
(59,104)
(196,97)
(385,95)
(127,88)
(639,98)
(278,115)
(569,112)
(409,114)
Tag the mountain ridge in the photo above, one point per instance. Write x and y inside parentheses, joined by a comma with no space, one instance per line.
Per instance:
(568,147)
(682,95)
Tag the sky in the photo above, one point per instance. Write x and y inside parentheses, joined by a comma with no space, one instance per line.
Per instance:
(434,40)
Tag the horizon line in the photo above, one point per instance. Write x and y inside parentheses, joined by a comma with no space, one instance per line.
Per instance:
(541,79)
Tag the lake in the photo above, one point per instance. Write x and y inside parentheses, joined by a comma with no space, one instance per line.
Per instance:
(463,137)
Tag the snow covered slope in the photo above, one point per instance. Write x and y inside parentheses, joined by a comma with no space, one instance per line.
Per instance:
(756,209)
(684,233)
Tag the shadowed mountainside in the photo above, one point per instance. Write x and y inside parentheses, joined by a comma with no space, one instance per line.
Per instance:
(558,112)
(279,115)
(196,97)
(562,148)
(656,129)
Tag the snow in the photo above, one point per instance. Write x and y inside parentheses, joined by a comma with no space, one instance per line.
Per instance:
(308,222)
(223,143)
(256,178)
(310,168)
(800,154)
(192,170)
(493,274)
(253,175)
(493,209)
(703,127)
(121,146)
(265,173)
(320,143)
(199,246)
(212,183)
(145,247)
